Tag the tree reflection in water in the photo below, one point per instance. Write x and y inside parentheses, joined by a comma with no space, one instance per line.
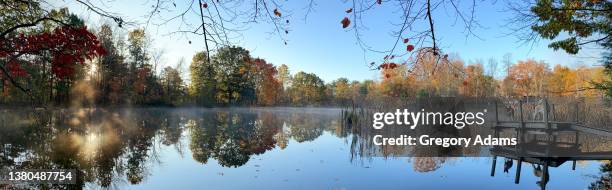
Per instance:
(113,147)
(605,180)
(110,147)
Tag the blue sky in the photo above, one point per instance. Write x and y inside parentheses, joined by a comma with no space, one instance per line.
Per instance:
(320,45)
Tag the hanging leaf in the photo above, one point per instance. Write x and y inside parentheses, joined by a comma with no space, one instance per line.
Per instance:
(345,22)
(379,1)
(205,5)
(287,21)
(277,13)
(349,10)
(388,66)
(406,40)
(410,47)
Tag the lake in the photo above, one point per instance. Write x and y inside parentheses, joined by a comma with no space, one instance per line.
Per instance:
(244,148)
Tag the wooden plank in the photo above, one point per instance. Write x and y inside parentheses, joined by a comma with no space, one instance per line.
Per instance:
(596,131)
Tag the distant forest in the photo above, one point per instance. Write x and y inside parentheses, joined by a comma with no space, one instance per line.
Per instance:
(56,59)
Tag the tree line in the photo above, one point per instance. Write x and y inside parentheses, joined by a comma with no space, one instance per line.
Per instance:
(125,74)
(60,61)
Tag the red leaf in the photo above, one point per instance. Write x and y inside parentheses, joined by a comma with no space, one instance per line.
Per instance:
(67,46)
(388,66)
(406,40)
(277,13)
(205,5)
(345,22)
(410,47)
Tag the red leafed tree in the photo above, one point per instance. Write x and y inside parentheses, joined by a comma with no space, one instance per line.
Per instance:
(67,46)
(267,87)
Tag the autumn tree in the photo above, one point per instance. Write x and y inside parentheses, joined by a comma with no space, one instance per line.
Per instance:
(565,81)
(355,92)
(306,88)
(364,88)
(506,86)
(233,77)
(396,81)
(562,80)
(528,78)
(39,47)
(137,67)
(172,86)
(142,78)
(436,76)
(476,83)
(203,84)
(341,91)
(111,68)
(268,89)
(283,76)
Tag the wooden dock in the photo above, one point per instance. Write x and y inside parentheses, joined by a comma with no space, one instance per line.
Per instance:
(546,151)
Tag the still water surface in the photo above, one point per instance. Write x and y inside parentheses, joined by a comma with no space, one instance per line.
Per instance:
(240,148)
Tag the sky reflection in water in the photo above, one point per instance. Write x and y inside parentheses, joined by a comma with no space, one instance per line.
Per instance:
(239,149)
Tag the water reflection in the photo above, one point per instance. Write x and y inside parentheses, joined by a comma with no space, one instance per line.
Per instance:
(114,148)
(120,145)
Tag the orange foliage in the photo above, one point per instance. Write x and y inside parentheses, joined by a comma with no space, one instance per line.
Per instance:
(528,78)
(268,88)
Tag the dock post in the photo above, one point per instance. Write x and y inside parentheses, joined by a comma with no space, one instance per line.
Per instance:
(544,178)
(519,164)
(496,114)
(576,108)
(493,165)
(552,110)
(522,124)
(521,113)
(546,109)
(574,165)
